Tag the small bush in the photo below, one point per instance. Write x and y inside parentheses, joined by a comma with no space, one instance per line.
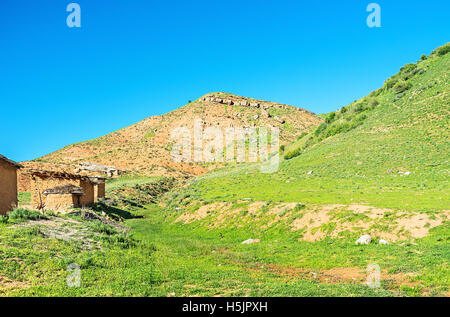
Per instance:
(357,121)
(330,117)
(21,214)
(423,57)
(301,136)
(299,207)
(320,129)
(292,154)
(398,96)
(441,51)
(309,142)
(360,107)
(3,219)
(391,82)
(373,103)
(408,68)
(402,86)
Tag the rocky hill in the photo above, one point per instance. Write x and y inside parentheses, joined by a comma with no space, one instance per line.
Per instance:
(145,147)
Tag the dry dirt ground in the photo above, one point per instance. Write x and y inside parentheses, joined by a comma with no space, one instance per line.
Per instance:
(318,222)
(351,275)
(6,284)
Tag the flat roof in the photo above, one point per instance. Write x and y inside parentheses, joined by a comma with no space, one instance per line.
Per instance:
(66,189)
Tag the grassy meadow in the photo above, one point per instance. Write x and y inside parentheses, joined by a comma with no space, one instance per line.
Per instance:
(159,258)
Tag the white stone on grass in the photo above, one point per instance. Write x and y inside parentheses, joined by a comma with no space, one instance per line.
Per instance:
(365,239)
(250,241)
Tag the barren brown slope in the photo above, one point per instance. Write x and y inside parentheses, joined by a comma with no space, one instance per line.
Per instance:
(144,147)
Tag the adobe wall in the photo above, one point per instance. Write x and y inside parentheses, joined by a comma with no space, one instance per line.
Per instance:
(8,187)
(89,196)
(102,190)
(41,183)
(61,202)
(24,181)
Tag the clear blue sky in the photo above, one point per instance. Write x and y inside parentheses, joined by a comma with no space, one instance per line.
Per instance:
(137,58)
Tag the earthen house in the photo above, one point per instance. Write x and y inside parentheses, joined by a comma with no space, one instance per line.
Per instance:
(63,197)
(8,184)
(50,190)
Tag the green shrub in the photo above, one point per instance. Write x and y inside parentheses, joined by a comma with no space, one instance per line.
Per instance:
(149,135)
(301,136)
(330,117)
(299,207)
(441,51)
(282,147)
(402,86)
(391,82)
(360,107)
(408,68)
(409,74)
(322,127)
(291,154)
(357,121)
(336,128)
(375,93)
(423,57)
(21,214)
(398,96)
(309,142)
(373,103)
(3,219)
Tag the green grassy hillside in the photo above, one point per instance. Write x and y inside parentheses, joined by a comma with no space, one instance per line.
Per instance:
(362,152)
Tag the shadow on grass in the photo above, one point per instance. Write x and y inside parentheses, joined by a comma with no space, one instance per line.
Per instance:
(113,212)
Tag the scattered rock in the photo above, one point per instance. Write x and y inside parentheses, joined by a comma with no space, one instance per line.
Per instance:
(365,239)
(111,171)
(255,117)
(251,241)
(310,172)
(382,241)
(244,103)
